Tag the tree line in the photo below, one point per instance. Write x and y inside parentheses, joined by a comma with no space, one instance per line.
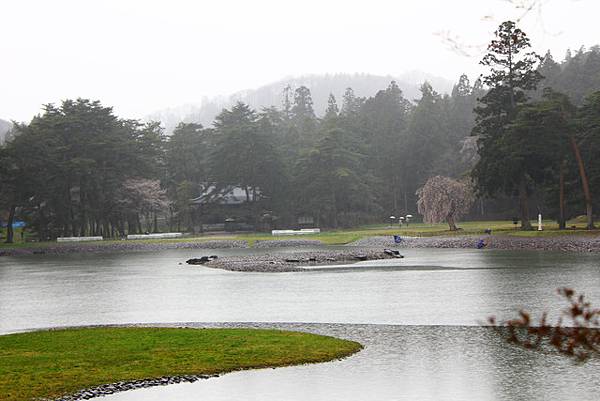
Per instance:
(78,169)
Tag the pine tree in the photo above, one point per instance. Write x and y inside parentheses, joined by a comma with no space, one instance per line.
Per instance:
(512,73)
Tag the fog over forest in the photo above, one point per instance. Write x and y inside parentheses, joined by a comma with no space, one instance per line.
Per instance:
(321,86)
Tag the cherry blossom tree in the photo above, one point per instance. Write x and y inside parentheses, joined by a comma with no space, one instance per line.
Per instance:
(444,199)
(145,197)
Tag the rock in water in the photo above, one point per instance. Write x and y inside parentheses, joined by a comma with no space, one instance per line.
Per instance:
(393,252)
(198,261)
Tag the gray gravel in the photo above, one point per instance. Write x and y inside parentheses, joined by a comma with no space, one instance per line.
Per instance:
(579,243)
(277,262)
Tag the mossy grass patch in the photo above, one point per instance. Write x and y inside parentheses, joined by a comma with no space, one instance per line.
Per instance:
(49,364)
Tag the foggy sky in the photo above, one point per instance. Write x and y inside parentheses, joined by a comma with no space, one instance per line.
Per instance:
(140,56)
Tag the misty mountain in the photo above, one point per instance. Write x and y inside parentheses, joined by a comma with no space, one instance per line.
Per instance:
(320,86)
(5,126)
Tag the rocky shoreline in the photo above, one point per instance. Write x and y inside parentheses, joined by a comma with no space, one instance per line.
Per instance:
(113,388)
(572,243)
(569,243)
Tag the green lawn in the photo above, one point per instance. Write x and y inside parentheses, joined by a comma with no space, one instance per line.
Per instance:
(48,364)
(339,237)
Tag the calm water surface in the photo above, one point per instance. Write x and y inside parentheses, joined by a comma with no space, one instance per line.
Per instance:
(407,363)
(394,307)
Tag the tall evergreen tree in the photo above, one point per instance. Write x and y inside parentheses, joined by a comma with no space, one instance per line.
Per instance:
(332,179)
(383,121)
(512,74)
(244,154)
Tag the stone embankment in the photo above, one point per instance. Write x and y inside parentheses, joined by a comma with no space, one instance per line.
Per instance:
(573,243)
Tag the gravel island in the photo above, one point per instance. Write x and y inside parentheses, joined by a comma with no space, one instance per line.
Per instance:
(295,261)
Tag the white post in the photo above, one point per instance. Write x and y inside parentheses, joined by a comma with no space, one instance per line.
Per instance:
(540,228)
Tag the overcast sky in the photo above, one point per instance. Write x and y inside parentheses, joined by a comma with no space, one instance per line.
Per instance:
(140,56)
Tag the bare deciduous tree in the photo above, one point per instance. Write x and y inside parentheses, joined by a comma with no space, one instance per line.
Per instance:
(576,334)
(444,199)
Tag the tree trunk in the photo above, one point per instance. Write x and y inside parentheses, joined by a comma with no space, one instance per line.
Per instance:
(524,205)
(562,224)
(9,225)
(584,183)
(451,223)
(155,223)
(42,228)
(334,211)
(105,229)
(194,214)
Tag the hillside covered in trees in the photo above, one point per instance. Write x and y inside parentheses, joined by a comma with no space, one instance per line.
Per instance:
(321,86)
(78,169)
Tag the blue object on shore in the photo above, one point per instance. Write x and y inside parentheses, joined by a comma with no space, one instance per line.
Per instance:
(16,224)
(480,244)
(397,239)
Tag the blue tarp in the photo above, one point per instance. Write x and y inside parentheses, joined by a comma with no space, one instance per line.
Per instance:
(16,224)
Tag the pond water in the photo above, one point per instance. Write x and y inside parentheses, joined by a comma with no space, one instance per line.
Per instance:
(408,363)
(404,310)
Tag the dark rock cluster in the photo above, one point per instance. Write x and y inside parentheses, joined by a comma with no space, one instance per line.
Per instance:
(201,260)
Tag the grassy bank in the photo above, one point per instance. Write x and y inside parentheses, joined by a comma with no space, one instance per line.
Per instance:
(49,364)
(345,236)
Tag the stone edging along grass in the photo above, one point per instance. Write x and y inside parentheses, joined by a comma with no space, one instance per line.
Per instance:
(81,363)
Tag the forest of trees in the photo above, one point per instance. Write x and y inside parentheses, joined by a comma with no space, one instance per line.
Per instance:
(528,139)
